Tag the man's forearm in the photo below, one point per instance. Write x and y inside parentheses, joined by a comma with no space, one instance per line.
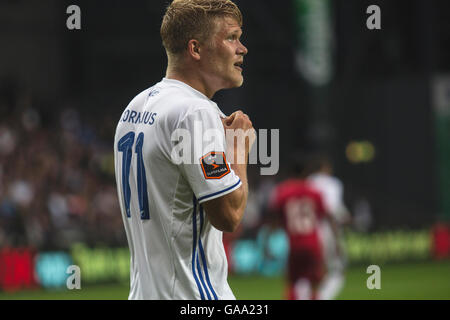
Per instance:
(225,213)
(240,136)
(241,172)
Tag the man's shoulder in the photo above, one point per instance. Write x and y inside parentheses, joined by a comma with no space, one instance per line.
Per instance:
(185,108)
(292,183)
(140,97)
(325,181)
(179,97)
(296,188)
(171,100)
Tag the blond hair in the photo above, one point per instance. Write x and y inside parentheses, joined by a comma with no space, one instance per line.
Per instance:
(193,19)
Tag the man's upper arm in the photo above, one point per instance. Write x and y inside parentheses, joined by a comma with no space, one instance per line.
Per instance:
(223,212)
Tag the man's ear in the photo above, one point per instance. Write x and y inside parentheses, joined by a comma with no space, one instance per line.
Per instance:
(194,49)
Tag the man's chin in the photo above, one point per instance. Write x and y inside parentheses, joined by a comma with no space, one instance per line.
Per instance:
(234,83)
(238,82)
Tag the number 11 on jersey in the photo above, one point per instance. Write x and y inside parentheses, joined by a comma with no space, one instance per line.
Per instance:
(125,145)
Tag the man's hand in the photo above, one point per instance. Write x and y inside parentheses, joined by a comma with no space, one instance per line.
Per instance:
(240,136)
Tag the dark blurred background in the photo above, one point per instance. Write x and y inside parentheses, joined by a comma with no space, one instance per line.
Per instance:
(376,101)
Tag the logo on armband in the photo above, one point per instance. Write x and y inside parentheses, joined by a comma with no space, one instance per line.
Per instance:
(214,165)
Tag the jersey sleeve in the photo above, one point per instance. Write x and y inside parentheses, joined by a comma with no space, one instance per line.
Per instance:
(209,173)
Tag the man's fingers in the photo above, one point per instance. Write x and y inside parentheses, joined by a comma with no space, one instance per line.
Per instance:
(233,116)
(236,116)
(228,120)
(237,120)
(224,121)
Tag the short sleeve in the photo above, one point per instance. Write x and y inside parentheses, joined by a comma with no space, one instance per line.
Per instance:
(203,152)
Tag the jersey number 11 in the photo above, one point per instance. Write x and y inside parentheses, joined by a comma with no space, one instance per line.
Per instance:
(125,146)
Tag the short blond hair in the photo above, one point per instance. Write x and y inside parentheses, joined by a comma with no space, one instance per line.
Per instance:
(193,19)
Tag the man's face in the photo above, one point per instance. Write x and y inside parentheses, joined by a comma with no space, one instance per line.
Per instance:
(224,55)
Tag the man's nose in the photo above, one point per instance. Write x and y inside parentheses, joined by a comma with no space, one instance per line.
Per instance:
(242,50)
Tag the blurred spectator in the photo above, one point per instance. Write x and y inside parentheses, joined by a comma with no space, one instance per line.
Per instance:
(56,182)
(362,215)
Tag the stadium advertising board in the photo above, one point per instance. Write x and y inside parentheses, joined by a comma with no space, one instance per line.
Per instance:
(24,268)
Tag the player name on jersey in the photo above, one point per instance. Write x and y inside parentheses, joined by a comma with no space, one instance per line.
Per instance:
(136,117)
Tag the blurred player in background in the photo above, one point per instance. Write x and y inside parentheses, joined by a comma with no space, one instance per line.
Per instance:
(174,212)
(301,210)
(331,188)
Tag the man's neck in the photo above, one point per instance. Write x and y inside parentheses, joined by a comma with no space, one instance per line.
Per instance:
(191,78)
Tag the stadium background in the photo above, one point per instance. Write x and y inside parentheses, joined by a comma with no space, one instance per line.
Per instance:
(377,101)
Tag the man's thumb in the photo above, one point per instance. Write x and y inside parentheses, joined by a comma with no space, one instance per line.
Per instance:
(229,120)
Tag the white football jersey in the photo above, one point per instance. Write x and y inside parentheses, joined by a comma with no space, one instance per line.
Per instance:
(175,251)
(332,191)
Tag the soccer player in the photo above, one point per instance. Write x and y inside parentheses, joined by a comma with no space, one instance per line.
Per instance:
(301,209)
(174,211)
(331,188)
